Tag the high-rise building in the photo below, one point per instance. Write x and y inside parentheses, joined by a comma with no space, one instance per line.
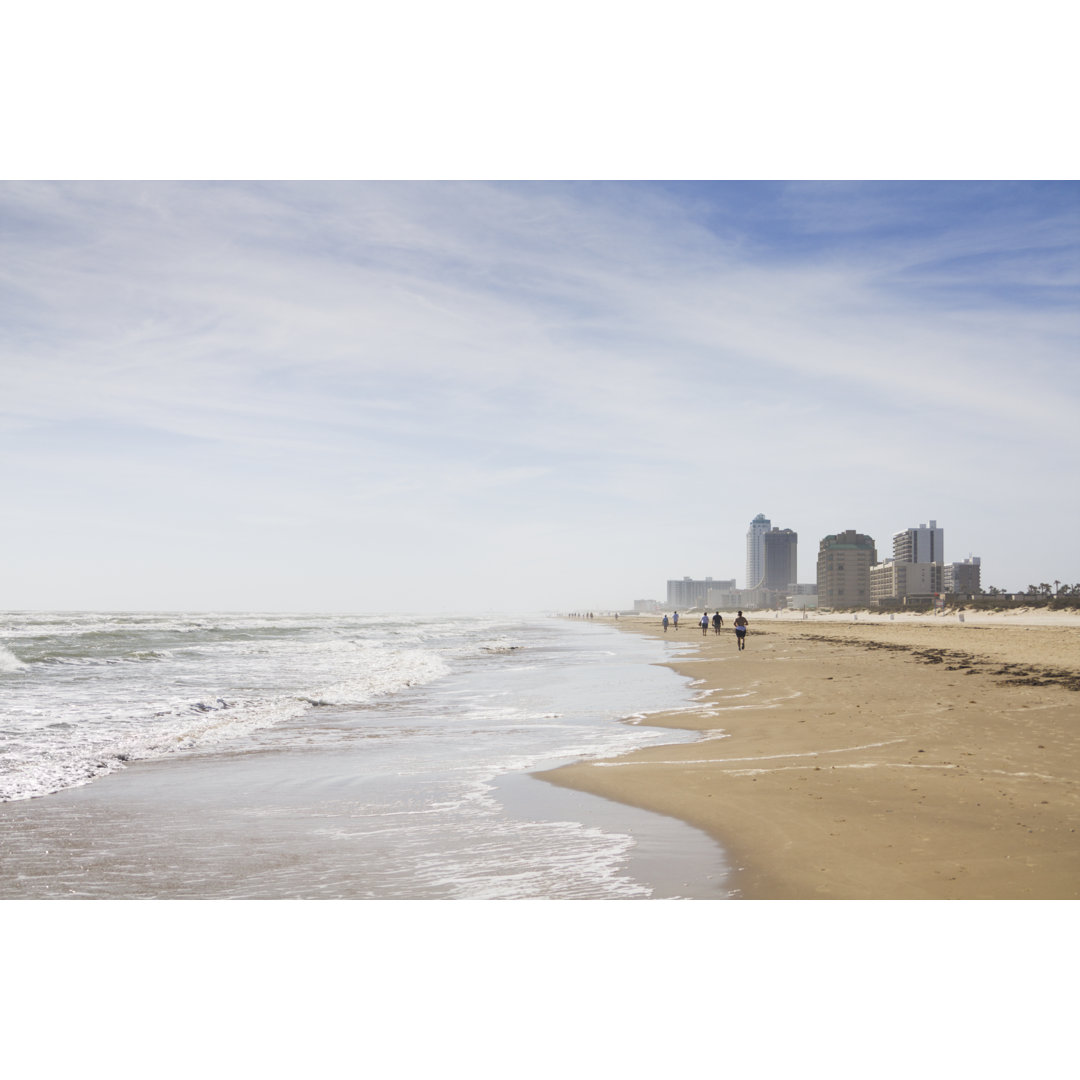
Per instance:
(781,558)
(843,569)
(964,578)
(916,570)
(926,544)
(755,550)
(691,593)
(905,581)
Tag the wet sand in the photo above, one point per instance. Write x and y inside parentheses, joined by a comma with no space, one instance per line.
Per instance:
(868,759)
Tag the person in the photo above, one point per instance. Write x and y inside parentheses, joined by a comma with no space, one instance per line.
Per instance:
(717,622)
(675,620)
(665,623)
(704,623)
(740,629)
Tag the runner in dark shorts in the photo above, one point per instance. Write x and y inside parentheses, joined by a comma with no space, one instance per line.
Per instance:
(740,629)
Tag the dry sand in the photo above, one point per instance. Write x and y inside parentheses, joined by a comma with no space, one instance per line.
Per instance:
(865,758)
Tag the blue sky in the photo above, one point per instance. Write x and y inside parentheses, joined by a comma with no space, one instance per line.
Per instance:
(522,396)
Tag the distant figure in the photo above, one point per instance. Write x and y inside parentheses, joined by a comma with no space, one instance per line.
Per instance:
(740,629)
(665,624)
(717,622)
(675,620)
(704,624)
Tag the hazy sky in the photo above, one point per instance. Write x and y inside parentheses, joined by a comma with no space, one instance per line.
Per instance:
(523,396)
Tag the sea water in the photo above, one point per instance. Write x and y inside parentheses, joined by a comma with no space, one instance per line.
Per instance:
(417,735)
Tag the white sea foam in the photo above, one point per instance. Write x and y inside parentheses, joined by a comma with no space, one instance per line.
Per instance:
(97,691)
(9,661)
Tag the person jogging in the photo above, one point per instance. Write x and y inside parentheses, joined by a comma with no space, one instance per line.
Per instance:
(740,629)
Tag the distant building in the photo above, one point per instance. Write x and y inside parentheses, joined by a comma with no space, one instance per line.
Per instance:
(781,565)
(803,596)
(647,606)
(926,544)
(917,569)
(755,551)
(727,599)
(704,592)
(748,599)
(843,569)
(964,578)
(903,581)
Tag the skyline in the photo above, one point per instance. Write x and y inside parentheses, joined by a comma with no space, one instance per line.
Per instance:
(523,396)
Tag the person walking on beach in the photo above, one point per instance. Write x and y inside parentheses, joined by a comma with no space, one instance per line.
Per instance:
(740,629)
(717,622)
(704,624)
(675,620)
(665,624)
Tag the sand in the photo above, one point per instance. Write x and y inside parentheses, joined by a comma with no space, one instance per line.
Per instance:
(844,758)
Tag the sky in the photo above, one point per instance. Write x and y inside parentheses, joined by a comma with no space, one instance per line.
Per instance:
(511,396)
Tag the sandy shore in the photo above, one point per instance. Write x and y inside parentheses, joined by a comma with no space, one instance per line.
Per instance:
(847,758)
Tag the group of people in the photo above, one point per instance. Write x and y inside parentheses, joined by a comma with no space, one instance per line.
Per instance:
(740,624)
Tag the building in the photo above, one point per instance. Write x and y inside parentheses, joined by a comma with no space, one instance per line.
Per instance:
(755,551)
(917,569)
(899,582)
(964,578)
(695,593)
(781,564)
(646,607)
(926,544)
(843,570)
(802,596)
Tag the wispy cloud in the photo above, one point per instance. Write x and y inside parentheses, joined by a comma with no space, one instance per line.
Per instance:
(427,358)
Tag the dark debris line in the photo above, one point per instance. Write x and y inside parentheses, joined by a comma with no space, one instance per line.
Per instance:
(1010,674)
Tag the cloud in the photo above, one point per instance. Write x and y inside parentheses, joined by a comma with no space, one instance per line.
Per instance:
(479,359)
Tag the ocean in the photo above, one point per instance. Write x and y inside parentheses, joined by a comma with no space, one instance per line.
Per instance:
(336,756)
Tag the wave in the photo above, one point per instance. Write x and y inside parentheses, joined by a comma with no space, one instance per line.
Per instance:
(498,645)
(105,690)
(88,725)
(9,662)
(146,656)
(382,675)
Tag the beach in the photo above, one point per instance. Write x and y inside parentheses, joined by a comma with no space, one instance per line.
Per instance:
(858,757)
(836,757)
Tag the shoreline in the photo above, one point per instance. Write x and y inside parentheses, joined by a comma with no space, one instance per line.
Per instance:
(869,758)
